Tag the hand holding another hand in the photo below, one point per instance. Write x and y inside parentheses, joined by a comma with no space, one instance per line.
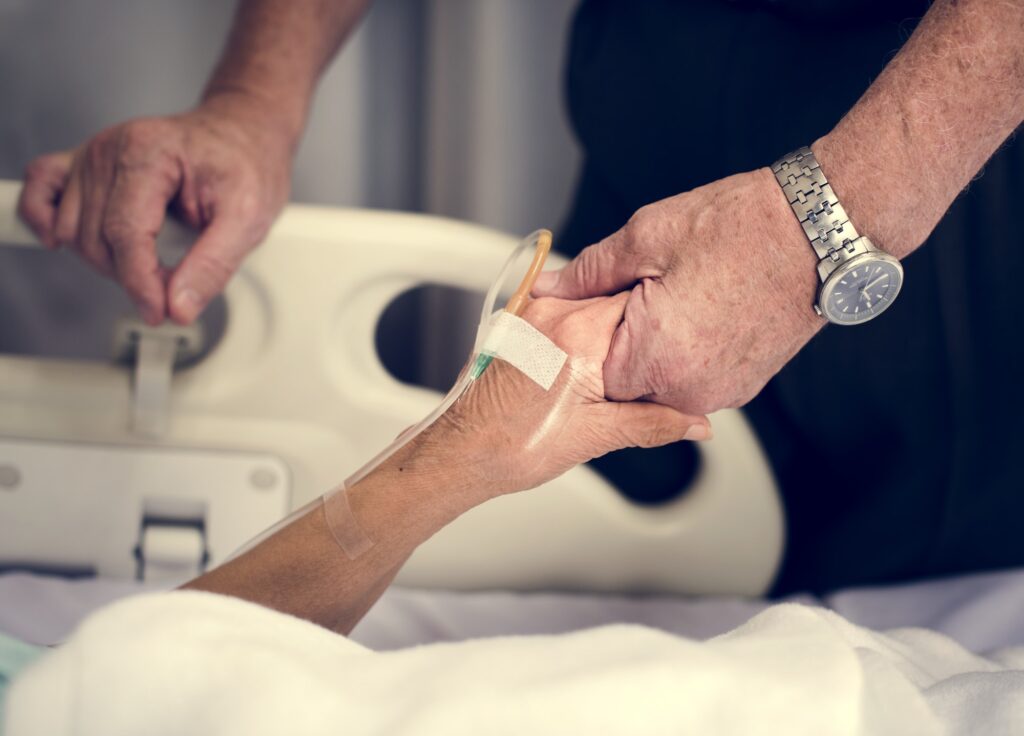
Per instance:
(507,434)
(722,281)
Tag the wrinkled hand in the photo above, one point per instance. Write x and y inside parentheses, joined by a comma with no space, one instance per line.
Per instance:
(508,434)
(722,281)
(224,168)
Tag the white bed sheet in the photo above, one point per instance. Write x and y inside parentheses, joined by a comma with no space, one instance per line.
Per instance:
(790,670)
(982,612)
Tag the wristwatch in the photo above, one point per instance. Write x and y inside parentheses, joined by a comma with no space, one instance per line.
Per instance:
(859,281)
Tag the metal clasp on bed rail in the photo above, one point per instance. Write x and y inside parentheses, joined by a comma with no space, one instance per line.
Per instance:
(173,541)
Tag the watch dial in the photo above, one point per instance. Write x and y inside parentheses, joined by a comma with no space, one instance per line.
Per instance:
(864,290)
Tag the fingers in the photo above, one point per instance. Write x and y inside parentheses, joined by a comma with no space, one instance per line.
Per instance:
(640,361)
(625,367)
(109,204)
(45,179)
(132,219)
(603,268)
(620,382)
(210,264)
(644,424)
(96,183)
(581,327)
(65,229)
(605,316)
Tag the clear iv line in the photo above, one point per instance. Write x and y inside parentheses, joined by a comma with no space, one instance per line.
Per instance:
(541,240)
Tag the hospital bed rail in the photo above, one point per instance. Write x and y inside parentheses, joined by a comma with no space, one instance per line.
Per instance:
(294,396)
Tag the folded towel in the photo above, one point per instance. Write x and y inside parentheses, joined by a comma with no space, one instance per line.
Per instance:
(196,663)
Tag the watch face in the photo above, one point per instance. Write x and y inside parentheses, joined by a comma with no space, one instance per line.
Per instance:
(861,288)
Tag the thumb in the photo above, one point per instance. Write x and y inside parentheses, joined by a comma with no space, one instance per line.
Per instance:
(603,268)
(645,424)
(633,355)
(208,266)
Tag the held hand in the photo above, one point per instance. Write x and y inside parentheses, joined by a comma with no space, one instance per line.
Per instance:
(225,169)
(508,434)
(722,281)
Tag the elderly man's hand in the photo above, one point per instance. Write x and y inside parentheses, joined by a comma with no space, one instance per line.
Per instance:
(723,282)
(225,168)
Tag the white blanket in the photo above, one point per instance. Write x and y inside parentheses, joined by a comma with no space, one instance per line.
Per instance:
(194,663)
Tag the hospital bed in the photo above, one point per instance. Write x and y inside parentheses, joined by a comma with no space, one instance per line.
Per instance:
(135,473)
(149,470)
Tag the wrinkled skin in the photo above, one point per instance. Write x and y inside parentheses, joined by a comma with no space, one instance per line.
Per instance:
(220,170)
(721,284)
(508,434)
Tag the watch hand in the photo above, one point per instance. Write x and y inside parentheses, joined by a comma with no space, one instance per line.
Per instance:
(884,275)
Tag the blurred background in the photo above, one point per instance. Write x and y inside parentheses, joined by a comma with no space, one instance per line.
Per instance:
(452,107)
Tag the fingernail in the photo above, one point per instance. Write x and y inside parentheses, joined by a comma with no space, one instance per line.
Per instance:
(699,432)
(545,282)
(186,302)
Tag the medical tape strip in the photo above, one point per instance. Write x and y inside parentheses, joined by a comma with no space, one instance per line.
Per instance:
(519,343)
(509,338)
(345,528)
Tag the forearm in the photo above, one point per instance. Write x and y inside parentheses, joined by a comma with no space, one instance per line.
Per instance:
(504,434)
(275,54)
(302,571)
(929,122)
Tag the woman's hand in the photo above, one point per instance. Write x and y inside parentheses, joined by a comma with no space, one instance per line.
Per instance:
(509,434)
(505,434)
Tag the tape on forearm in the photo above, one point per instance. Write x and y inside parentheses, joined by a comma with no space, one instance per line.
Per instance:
(519,343)
(507,337)
(344,526)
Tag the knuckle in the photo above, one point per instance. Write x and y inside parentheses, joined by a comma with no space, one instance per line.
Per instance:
(540,312)
(535,310)
(137,135)
(640,225)
(37,168)
(140,144)
(117,231)
(653,434)
(96,153)
(216,266)
(43,167)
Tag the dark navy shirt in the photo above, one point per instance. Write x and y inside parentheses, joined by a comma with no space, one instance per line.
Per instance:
(897,444)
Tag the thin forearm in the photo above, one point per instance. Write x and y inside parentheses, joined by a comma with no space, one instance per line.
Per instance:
(302,571)
(929,122)
(277,51)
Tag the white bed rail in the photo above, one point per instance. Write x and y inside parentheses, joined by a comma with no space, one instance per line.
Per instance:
(296,383)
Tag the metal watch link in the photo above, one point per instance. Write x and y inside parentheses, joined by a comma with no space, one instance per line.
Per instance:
(859,281)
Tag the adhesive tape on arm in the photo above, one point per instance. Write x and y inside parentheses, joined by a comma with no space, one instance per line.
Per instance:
(519,343)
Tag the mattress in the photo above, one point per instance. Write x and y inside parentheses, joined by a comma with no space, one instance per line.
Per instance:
(983,612)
